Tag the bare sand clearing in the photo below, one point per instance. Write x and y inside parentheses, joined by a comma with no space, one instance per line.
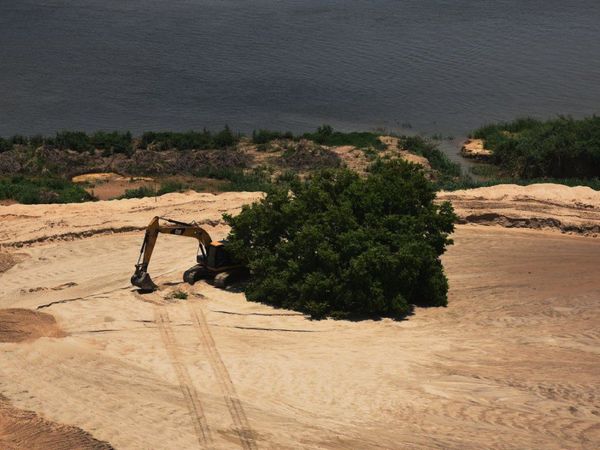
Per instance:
(109,185)
(513,362)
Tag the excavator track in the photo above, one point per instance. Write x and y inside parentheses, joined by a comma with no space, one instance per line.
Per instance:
(186,385)
(236,410)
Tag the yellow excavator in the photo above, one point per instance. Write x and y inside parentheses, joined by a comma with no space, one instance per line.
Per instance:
(214,263)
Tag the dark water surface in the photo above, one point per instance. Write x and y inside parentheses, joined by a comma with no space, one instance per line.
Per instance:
(439,65)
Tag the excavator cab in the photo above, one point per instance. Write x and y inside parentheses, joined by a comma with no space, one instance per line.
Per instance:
(216,255)
(214,263)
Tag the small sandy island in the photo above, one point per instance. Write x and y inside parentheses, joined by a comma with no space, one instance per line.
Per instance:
(88,362)
(474,149)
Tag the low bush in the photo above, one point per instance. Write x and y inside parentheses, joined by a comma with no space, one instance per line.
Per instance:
(559,148)
(5,145)
(265,136)
(306,155)
(147,191)
(342,246)
(73,140)
(437,159)
(140,192)
(238,179)
(189,140)
(112,142)
(42,190)
(485,170)
(325,135)
(179,295)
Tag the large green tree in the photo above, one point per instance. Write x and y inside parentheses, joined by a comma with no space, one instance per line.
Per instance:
(347,247)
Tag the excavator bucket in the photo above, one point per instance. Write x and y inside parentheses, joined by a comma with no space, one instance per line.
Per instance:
(142,280)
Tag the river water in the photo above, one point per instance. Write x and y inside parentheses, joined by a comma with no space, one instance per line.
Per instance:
(430,66)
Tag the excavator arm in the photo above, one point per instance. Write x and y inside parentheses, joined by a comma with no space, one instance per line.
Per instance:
(141,277)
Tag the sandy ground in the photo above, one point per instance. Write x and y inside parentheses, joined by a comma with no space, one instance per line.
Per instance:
(109,185)
(574,210)
(512,362)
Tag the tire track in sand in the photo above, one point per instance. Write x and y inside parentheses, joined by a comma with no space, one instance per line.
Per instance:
(185,382)
(240,420)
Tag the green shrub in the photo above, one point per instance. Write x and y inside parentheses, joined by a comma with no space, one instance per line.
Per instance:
(325,135)
(165,188)
(181,141)
(42,190)
(238,180)
(140,192)
(18,139)
(73,140)
(265,136)
(180,295)
(559,148)
(171,186)
(485,170)
(437,159)
(342,246)
(224,138)
(5,145)
(112,142)
(190,140)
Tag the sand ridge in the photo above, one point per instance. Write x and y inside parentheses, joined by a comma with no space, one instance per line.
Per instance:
(574,210)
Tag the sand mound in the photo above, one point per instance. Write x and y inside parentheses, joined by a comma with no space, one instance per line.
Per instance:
(474,148)
(393,151)
(553,206)
(24,225)
(6,261)
(18,325)
(21,429)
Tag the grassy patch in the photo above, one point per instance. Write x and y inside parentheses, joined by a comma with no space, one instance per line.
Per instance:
(325,135)
(165,188)
(559,148)
(238,180)
(197,140)
(428,149)
(179,295)
(265,136)
(42,190)
(485,170)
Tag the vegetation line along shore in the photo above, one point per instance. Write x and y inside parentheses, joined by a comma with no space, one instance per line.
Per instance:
(39,169)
